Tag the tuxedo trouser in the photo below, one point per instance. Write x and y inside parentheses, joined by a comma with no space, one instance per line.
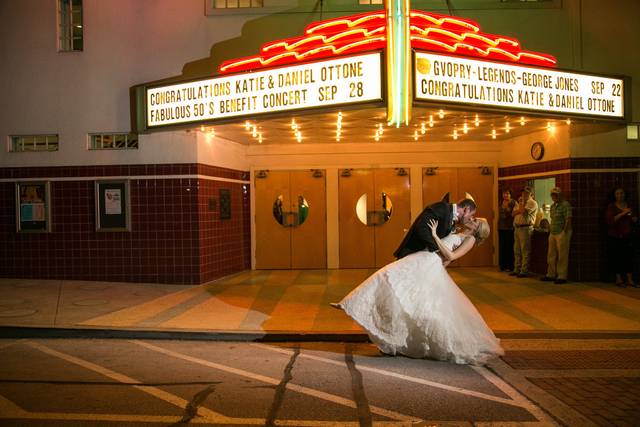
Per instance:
(558,255)
(522,249)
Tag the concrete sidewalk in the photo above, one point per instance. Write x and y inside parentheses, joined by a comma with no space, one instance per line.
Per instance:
(285,304)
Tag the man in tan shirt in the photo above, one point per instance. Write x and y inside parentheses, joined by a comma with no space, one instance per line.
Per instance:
(524,217)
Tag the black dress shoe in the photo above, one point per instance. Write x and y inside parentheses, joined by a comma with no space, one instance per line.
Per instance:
(547,279)
(560,281)
(633,285)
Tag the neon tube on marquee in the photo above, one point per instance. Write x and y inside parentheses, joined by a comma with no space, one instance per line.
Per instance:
(467,81)
(346,80)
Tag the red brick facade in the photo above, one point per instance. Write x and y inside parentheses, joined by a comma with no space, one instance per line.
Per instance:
(174,237)
(588,184)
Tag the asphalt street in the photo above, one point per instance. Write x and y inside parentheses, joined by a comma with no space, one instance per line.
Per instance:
(92,382)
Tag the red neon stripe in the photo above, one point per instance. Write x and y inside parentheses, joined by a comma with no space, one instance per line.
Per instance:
(366,32)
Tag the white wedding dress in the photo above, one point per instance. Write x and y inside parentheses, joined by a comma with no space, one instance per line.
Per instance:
(413,307)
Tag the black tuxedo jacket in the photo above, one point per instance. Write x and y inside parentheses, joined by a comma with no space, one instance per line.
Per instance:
(419,235)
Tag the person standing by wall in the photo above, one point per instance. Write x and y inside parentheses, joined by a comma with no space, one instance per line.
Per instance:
(559,239)
(524,217)
(505,232)
(620,221)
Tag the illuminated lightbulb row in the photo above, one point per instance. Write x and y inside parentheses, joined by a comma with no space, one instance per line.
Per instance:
(254,130)
(210,131)
(379,132)
(296,130)
(339,127)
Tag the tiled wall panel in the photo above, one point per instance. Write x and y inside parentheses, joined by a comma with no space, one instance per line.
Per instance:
(173,238)
(588,185)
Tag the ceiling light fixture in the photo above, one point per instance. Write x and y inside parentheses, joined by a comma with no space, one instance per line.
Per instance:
(423,128)
(441,114)
(522,121)
(430,120)
(477,121)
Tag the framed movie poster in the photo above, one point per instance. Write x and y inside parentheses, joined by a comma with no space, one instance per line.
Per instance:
(32,207)
(112,206)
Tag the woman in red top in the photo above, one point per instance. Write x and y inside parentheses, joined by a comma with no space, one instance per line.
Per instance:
(620,221)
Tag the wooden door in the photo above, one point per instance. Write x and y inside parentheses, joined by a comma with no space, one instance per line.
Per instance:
(438,181)
(357,241)
(309,205)
(392,185)
(272,204)
(480,186)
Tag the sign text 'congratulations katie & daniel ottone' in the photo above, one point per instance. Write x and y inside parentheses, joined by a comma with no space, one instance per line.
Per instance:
(340,81)
(468,81)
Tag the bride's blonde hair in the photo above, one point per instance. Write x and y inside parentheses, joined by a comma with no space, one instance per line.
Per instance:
(483,230)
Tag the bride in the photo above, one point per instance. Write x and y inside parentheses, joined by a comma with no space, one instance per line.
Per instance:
(413,307)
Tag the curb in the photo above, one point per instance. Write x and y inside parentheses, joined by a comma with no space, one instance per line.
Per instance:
(92,333)
(252,336)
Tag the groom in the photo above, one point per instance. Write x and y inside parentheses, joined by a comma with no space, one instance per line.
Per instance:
(419,236)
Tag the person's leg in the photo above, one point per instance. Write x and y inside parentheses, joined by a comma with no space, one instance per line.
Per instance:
(509,249)
(564,242)
(517,251)
(627,260)
(526,249)
(552,256)
(617,253)
(501,249)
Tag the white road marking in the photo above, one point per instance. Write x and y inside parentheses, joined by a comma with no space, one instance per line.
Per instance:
(275,381)
(403,377)
(514,394)
(153,391)
(9,344)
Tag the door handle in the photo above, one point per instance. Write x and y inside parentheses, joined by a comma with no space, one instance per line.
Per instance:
(290,223)
(376,218)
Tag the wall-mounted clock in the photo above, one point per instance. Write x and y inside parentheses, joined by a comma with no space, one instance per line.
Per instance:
(537,150)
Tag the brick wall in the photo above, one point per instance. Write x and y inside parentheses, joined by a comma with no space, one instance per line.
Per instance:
(587,184)
(174,238)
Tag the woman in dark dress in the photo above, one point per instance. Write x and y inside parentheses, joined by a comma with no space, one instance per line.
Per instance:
(620,221)
(505,232)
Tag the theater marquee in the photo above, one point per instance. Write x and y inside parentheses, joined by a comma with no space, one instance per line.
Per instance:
(346,80)
(467,81)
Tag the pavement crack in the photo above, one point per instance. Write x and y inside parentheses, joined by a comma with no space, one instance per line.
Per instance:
(281,388)
(357,386)
(191,410)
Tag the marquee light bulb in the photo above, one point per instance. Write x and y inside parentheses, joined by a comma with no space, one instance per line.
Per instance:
(260,138)
(423,128)
(568,121)
(455,134)
(247,125)
(522,121)
(430,120)
(507,127)
(415,135)
(493,133)
(254,131)
(202,128)
(441,114)
(465,128)
(477,121)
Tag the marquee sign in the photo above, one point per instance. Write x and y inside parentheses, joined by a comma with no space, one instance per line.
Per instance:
(339,62)
(339,81)
(468,81)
